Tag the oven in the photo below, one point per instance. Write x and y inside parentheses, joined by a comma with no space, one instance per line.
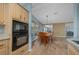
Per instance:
(19,34)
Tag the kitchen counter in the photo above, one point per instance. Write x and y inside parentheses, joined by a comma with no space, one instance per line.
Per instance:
(71,41)
(4,36)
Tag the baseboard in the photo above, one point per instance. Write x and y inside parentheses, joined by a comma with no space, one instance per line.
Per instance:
(60,36)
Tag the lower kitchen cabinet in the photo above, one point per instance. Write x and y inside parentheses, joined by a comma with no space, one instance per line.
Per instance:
(3,47)
(3,51)
(72,50)
(21,51)
(1,13)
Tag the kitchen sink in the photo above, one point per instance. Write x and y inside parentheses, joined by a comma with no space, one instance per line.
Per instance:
(76,41)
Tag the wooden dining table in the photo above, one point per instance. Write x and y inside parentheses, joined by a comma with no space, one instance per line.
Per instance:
(44,37)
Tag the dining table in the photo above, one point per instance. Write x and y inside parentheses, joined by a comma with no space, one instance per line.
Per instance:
(45,37)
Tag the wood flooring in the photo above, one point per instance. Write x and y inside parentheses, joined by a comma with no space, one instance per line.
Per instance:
(58,47)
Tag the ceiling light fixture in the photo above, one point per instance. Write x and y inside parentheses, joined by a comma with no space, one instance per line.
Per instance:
(47,19)
(55,13)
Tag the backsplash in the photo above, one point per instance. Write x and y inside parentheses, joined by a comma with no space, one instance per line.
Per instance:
(2,29)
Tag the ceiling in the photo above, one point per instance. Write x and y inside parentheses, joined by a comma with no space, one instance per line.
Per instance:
(56,12)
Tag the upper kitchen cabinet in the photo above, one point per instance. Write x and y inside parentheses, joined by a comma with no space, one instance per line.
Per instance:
(24,15)
(1,13)
(6,13)
(19,13)
(16,12)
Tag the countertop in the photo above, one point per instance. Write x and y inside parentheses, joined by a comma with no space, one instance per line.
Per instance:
(4,36)
(70,40)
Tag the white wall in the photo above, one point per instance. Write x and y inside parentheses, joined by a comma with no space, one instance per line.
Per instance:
(76,21)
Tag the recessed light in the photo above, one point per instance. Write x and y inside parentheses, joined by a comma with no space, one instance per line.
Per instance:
(55,13)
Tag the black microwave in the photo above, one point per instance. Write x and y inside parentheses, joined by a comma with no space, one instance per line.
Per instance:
(19,26)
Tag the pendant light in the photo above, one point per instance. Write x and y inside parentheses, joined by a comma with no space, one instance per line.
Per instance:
(47,19)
